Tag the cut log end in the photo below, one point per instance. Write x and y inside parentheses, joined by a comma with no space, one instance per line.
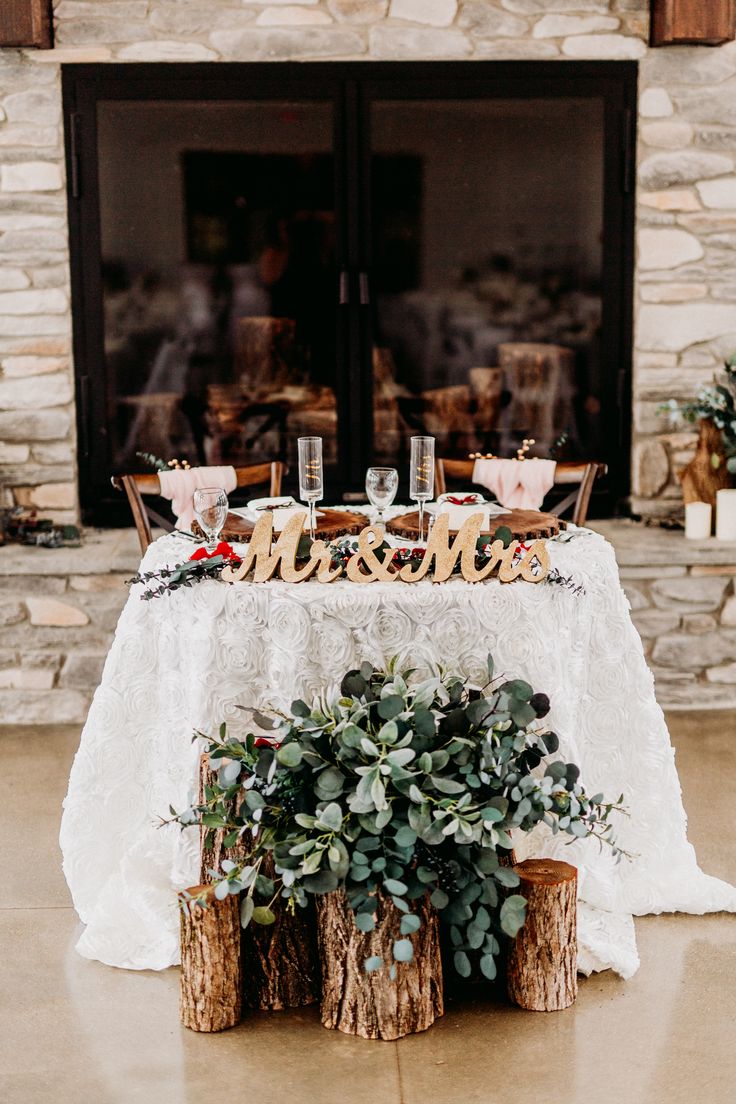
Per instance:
(210,995)
(542,964)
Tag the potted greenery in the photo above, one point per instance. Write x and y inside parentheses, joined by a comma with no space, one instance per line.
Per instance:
(394,806)
(714,410)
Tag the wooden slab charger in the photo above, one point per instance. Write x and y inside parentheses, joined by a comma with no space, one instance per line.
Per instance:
(524,525)
(331,524)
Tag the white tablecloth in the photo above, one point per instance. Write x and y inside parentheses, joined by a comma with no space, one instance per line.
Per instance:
(186,660)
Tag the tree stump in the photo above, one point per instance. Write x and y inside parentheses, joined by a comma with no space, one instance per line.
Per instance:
(211,840)
(542,963)
(372,1005)
(701,479)
(210,994)
(280,968)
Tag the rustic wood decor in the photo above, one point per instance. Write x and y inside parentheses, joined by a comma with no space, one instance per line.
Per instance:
(210,994)
(524,525)
(708,22)
(211,847)
(330,525)
(371,1004)
(702,478)
(542,965)
(279,960)
(280,966)
(26,23)
(267,560)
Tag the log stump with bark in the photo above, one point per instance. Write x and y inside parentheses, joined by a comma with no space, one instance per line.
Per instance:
(212,847)
(211,985)
(542,962)
(373,1005)
(280,968)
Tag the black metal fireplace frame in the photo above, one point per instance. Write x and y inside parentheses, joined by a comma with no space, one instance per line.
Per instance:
(353,87)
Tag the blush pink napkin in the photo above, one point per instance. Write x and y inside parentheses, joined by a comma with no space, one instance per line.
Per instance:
(517,484)
(179,486)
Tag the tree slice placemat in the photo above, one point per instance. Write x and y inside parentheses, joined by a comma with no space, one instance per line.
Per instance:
(331,524)
(524,525)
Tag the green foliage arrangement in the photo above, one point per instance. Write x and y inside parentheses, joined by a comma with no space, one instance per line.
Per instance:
(718,403)
(401,788)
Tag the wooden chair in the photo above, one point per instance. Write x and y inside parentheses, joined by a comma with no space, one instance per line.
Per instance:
(138,486)
(581,475)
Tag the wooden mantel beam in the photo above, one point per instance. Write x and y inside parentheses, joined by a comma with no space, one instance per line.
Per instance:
(26,23)
(704,22)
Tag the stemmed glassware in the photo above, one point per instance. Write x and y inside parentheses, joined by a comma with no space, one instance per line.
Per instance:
(381,485)
(311,478)
(210,509)
(421,475)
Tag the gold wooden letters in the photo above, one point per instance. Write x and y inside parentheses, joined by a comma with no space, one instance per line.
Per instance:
(267,560)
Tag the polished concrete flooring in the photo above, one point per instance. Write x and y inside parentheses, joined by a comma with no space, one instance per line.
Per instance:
(77,1032)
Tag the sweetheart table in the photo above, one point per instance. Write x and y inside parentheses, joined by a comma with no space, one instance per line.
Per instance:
(188,660)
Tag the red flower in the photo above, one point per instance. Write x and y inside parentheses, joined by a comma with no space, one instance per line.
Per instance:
(262,741)
(223,549)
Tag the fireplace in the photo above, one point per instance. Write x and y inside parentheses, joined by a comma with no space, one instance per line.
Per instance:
(361,251)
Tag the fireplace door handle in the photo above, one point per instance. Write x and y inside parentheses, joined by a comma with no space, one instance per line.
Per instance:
(344,288)
(364,289)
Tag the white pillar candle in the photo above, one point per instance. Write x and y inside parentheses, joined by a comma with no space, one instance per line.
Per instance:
(697,520)
(726,515)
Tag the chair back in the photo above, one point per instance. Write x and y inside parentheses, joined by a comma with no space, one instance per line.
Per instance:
(581,475)
(139,487)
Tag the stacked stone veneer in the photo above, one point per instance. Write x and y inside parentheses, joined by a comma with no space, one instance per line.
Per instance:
(686,617)
(58,612)
(686,223)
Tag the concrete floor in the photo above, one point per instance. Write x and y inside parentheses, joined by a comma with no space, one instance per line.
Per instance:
(77,1032)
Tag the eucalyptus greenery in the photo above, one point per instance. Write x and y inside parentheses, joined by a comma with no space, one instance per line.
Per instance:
(717,403)
(399,787)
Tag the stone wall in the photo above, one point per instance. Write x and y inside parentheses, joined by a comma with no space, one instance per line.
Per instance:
(683,603)
(58,612)
(686,225)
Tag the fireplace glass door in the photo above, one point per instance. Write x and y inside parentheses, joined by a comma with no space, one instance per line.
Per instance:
(486,275)
(218,280)
(356,251)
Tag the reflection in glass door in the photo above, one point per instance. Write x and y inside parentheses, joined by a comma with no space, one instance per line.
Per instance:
(486,275)
(218,265)
(356,251)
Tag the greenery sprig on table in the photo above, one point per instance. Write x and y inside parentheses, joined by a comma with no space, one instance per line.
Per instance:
(400,788)
(168,579)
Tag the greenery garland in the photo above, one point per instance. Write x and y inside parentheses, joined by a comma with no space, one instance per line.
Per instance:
(169,579)
(402,788)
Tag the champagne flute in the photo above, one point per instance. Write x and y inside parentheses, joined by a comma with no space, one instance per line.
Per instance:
(311,478)
(381,485)
(210,509)
(421,475)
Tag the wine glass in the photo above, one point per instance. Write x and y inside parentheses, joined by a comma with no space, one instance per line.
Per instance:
(381,485)
(210,510)
(421,475)
(311,479)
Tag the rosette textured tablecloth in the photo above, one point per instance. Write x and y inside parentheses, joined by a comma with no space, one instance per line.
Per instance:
(186,660)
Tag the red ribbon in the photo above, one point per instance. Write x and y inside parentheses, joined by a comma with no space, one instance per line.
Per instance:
(223,549)
(466,500)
